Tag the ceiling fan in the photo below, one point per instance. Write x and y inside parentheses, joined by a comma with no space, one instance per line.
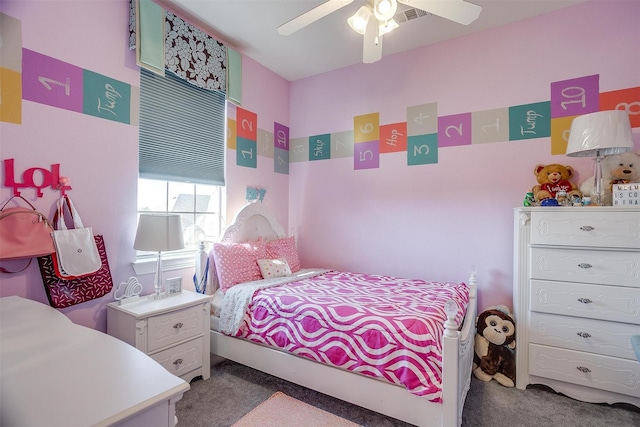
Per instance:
(375,19)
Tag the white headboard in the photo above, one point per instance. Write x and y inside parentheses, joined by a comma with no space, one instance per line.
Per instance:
(252,222)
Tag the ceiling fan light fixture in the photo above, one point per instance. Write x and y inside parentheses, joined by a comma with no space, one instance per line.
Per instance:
(384,9)
(358,22)
(387,27)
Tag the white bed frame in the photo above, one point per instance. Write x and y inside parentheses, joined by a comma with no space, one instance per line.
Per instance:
(255,221)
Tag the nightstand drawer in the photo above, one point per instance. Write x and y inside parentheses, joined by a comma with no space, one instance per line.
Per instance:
(586,266)
(601,372)
(173,327)
(575,333)
(182,358)
(591,301)
(586,228)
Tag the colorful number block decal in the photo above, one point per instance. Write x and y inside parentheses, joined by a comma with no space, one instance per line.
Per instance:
(320,147)
(454,130)
(366,155)
(575,96)
(530,121)
(366,128)
(281,161)
(560,128)
(48,81)
(393,137)
(246,153)
(299,150)
(281,136)
(422,119)
(105,97)
(247,124)
(134,106)
(231,134)
(422,149)
(265,143)
(490,126)
(625,99)
(342,144)
(10,43)
(10,96)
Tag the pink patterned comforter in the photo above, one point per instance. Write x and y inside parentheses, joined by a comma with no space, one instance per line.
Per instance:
(375,325)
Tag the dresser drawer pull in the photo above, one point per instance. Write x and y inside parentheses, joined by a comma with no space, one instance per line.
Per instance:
(587,228)
(584,265)
(584,334)
(178,362)
(178,325)
(585,300)
(583,369)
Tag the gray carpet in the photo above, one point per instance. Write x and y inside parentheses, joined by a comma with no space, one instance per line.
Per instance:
(233,390)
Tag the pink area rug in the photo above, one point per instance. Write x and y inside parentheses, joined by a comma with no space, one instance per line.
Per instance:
(281,410)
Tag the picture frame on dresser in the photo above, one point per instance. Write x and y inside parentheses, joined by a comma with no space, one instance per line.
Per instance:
(576,298)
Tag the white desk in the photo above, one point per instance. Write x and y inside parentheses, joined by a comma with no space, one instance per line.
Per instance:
(56,373)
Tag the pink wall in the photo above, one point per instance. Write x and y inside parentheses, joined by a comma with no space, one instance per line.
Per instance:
(433,221)
(101,156)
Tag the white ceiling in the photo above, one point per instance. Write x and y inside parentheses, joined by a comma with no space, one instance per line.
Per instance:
(249,26)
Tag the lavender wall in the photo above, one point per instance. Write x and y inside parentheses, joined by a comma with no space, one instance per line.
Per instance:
(101,156)
(433,221)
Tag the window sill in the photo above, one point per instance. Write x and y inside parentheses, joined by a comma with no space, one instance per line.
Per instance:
(176,262)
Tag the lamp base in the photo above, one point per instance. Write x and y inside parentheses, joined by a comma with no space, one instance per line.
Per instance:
(158,296)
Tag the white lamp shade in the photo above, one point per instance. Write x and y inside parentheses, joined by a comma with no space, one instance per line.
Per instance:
(358,22)
(600,134)
(159,233)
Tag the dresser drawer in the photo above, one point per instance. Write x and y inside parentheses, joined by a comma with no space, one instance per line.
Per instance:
(613,303)
(172,327)
(586,369)
(586,266)
(586,228)
(182,358)
(575,333)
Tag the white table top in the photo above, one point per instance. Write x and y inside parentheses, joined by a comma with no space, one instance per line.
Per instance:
(56,373)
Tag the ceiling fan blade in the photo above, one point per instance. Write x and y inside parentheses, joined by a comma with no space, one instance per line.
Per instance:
(372,43)
(311,16)
(458,11)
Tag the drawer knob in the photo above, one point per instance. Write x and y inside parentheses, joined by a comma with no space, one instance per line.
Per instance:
(178,362)
(585,300)
(178,325)
(584,334)
(583,369)
(587,228)
(585,265)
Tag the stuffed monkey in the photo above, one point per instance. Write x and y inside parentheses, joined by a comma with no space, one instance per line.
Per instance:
(494,340)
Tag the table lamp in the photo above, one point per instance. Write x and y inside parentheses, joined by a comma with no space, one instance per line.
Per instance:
(597,135)
(159,233)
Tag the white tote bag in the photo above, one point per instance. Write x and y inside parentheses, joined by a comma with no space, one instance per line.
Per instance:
(76,251)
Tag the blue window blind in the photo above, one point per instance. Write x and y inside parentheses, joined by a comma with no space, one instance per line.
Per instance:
(182,130)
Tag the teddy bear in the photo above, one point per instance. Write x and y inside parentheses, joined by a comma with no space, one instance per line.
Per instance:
(553,178)
(494,341)
(623,168)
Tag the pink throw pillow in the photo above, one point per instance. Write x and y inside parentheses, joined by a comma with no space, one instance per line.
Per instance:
(272,268)
(285,248)
(238,262)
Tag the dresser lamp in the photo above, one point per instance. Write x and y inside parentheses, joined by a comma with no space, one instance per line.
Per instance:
(159,233)
(597,135)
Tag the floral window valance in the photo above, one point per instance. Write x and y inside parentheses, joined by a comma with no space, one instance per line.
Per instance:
(190,53)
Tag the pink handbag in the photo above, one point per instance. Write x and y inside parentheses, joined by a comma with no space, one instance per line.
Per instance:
(24,233)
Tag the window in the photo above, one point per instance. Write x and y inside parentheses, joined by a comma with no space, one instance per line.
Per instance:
(181,155)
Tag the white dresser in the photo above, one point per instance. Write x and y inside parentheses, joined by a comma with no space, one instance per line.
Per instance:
(576,298)
(174,331)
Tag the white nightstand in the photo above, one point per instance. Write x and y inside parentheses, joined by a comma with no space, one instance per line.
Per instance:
(174,331)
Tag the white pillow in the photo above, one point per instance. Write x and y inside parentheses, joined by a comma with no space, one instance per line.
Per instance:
(271,268)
